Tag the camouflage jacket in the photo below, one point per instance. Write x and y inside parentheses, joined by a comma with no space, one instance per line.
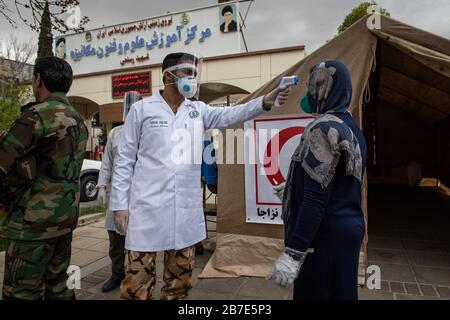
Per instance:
(40,161)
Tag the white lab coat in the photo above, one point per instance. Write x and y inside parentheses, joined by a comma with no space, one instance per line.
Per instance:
(106,171)
(162,196)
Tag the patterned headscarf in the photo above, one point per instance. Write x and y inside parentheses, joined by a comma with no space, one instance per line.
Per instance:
(328,137)
(329,87)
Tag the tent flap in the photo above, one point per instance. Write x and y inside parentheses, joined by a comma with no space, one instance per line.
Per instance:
(434,60)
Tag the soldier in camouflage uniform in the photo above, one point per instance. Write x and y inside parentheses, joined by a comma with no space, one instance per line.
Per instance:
(14,181)
(40,161)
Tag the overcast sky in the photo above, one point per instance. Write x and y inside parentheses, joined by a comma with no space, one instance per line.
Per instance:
(270,24)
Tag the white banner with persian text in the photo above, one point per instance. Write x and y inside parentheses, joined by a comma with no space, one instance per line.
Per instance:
(207,32)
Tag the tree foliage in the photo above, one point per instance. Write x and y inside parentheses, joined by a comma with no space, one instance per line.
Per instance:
(30,13)
(13,96)
(357,13)
(45,45)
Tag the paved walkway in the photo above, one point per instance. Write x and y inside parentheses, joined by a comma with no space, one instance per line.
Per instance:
(90,247)
(409,240)
(90,252)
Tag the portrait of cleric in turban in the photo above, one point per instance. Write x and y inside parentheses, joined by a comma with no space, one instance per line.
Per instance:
(228,19)
(60,51)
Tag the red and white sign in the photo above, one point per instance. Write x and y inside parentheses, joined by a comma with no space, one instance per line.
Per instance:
(140,82)
(267,158)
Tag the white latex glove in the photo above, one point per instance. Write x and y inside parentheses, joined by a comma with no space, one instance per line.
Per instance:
(101,196)
(278,190)
(281,92)
(121,221)
(285,270)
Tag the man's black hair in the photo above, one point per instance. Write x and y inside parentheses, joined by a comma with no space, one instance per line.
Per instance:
(227,9)
(173,59)
(56,73)
(60,40)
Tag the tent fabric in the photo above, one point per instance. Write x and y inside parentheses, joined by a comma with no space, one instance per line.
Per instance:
(211,91)
(240,250)
(433,59)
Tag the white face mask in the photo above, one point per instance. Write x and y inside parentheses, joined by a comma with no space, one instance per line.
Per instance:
(187,86)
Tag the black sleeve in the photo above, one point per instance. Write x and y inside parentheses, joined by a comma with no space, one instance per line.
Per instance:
(310,213)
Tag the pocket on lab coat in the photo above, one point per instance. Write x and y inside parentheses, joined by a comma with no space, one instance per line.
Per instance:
(193,198)
(189,192)
(191,227)
(153,139)
(149,191)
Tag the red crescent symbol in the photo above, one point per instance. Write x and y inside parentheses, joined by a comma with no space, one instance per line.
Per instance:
(283,136)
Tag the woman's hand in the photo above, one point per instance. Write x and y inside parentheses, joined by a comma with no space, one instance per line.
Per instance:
(287,267)
(278,190)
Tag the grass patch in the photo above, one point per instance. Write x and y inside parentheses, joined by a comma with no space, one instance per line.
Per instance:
(91,210)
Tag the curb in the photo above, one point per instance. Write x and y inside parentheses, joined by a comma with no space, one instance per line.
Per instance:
(90,218)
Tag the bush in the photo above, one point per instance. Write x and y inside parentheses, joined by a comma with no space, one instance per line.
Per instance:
(12,97)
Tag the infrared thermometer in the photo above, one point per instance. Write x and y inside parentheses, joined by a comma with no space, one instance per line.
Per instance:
(288,82)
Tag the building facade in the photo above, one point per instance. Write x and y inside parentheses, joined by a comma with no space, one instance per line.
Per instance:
(237,74)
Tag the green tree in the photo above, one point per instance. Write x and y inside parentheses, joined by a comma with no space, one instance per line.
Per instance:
(357,13)
(13,96)
(45,46)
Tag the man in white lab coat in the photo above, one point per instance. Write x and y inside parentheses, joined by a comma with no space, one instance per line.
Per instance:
(116,240)
(156,191)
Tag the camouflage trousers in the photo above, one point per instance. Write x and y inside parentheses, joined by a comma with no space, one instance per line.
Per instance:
(36,270)
(140,274)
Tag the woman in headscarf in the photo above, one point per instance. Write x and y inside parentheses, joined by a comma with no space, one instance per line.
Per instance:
(324,221)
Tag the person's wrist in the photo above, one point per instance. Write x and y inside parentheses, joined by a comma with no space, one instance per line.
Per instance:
(265,105)
(100,187)
(294,254)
